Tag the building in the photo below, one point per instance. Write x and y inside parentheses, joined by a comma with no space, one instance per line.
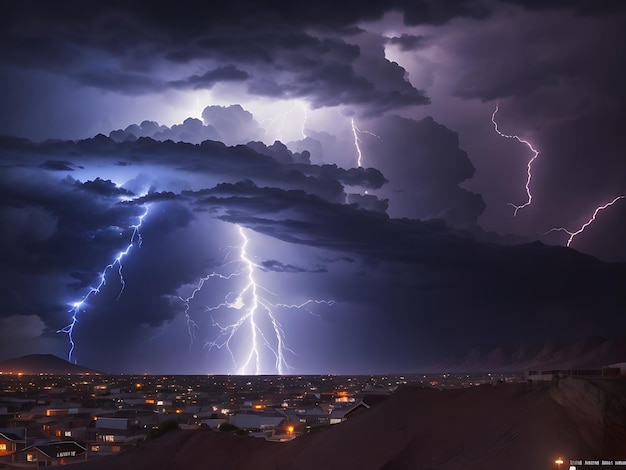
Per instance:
(51,454)
(617,369)
(11,442)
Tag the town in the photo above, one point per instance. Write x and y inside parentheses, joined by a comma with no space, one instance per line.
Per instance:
(50,420)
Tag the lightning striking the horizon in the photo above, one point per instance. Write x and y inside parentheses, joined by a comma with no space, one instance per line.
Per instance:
(528,166)
(573,235)
(258,317)
(135,239)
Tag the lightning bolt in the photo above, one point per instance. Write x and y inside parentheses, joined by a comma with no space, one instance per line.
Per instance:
(357,141)
(135,239)
(192,326)
(258,318)
(573,235)
(528,166)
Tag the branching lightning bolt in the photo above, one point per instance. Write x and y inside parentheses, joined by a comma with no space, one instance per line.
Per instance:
(135,239)
(192,326)
(573,235)
(528,166)
(357,142)
(257,309)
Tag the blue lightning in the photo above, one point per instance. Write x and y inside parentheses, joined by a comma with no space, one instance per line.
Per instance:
(529,175)
(256,310)
(135,239)
(192,326)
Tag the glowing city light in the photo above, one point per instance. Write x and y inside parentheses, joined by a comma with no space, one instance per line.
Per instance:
(135,239)
(528,166)
(573,235)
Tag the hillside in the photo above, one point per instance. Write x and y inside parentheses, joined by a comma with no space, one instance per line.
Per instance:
(513,426)
(35,364)
(586,353)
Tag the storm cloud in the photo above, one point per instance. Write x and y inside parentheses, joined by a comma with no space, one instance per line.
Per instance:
(167,170)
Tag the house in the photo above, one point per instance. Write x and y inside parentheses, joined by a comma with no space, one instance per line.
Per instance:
(342,414)
(51,454)
(11,442)
(257,420)
(317,417)
(615,370)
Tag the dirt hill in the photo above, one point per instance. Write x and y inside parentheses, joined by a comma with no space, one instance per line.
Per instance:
(512,426)
(585,353)
(36,364)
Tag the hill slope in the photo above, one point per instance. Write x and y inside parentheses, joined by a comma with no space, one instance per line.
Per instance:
(513,426)
(586,353)
(35,364)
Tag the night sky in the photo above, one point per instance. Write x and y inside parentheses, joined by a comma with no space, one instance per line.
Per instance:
(289,187)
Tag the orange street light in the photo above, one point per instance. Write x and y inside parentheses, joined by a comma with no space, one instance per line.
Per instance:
(559,462)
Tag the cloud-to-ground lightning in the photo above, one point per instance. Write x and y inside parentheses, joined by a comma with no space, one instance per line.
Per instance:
(135,239)
(356,144)
(357,141)
(573,235)
(529,174)
(258,320)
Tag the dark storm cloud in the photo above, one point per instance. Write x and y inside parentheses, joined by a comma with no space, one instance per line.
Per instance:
(283,52)
(63,231)
(368,202)
(405,288)
(297,217)
(218,161)
(58,165)
(560,92)
(105,188)
(277,266)
(228,73)
(58,236)
(425,167)
(126,83)
(524,277)
(580,7)
(421,162)
(336,84)
(291,50)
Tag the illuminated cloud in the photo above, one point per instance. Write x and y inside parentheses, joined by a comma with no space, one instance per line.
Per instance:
(244,114)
